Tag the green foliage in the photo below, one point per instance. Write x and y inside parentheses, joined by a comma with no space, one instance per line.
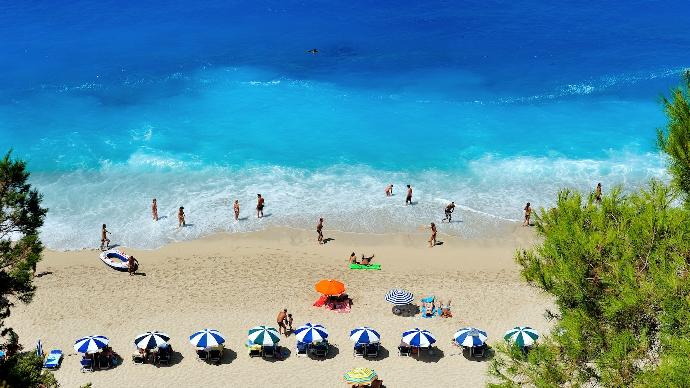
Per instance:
(674,140)
(20,248)
(24,370)
(619,273)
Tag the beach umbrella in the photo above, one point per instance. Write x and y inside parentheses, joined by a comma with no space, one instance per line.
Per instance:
(399,297)
(360,376)
(364,335)
(91,344)
(329,287)
(470,337)
(151,339)
(206,338)
(418,338)
(521,336)
(262,335)
(311,333)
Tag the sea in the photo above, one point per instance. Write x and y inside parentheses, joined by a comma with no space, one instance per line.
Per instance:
(319,105)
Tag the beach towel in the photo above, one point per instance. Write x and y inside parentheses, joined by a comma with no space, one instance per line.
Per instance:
(53,359)
(321,301)
(374,267)
(340,307)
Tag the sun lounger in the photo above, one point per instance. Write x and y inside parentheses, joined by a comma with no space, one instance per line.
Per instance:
(321,349)
(201,355)
(165,356)
(214,355)
(86,365)
(103,362)
(435,312)
(374,267)
(404,351)
(478,351)
(53,359)
(302,349)
(372,350)
(268,351)
(359,350)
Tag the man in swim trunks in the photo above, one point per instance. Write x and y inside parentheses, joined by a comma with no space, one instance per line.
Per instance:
(389,190)
(180,217)
(282,320)
(259,206)
(408,199)
(319,231)
(154,210)
(105,242)
(236,208)
(449,211)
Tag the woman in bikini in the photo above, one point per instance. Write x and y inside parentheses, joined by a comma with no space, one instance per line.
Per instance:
(432,239)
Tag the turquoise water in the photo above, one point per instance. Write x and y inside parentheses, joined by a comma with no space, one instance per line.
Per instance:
(487,104)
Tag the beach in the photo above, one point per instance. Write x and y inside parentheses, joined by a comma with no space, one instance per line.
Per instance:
(231,282)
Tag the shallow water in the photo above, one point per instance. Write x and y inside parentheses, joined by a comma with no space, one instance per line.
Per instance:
(488,104)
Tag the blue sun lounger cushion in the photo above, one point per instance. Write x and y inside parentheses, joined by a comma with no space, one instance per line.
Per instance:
(53,359)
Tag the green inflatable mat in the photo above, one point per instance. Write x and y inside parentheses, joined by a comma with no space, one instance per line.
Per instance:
(376,267)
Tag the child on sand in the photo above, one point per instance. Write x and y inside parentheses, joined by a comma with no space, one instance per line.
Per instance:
(180,217)
(154,210)
(105,242)
(236,208)
(132,264)
(319,231)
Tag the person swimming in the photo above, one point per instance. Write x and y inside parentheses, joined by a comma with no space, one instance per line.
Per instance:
(313,51)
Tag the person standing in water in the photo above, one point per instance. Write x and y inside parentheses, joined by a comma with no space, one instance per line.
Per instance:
(389,190)
(449,211)
(105,241)
(408,199)
(154,209)
(236,209)
(319,231)
(597,193)
(259,206)
(528,214)
(180,217)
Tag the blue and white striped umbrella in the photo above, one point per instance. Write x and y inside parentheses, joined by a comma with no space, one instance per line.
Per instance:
(418,338)
(91,344)
(470,337)
(206,338)
(399,297)
(311,333)
(151,340)
(364,335)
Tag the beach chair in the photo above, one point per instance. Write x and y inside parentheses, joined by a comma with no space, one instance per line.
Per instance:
(302,349)
(138,358)
(86,365)
(478,351)
(372,350)
(201,355)
(103,362)
(165,356)
(268,351)
(214,355)
(321,349)
(359,350)
(404,351)
(53,359)
(255,351)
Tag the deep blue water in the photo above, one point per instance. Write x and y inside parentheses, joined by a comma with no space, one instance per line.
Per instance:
(490,104)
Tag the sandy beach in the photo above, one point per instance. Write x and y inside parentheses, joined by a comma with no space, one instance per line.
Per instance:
(232,282)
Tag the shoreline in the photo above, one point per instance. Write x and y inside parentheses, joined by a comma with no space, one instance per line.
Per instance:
(233,281)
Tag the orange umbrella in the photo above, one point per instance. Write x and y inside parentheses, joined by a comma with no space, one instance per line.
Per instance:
(330,287)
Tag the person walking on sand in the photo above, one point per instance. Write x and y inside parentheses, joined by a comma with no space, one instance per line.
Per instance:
(432,239)
(281,320)
(449,211)
(132,265)
(236,208)
(319,231)
(528,214)
(259,206)
(180,218)
(389,190)
(408,199)
(289,322)
(105,241)
(597,193)
(154,209)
